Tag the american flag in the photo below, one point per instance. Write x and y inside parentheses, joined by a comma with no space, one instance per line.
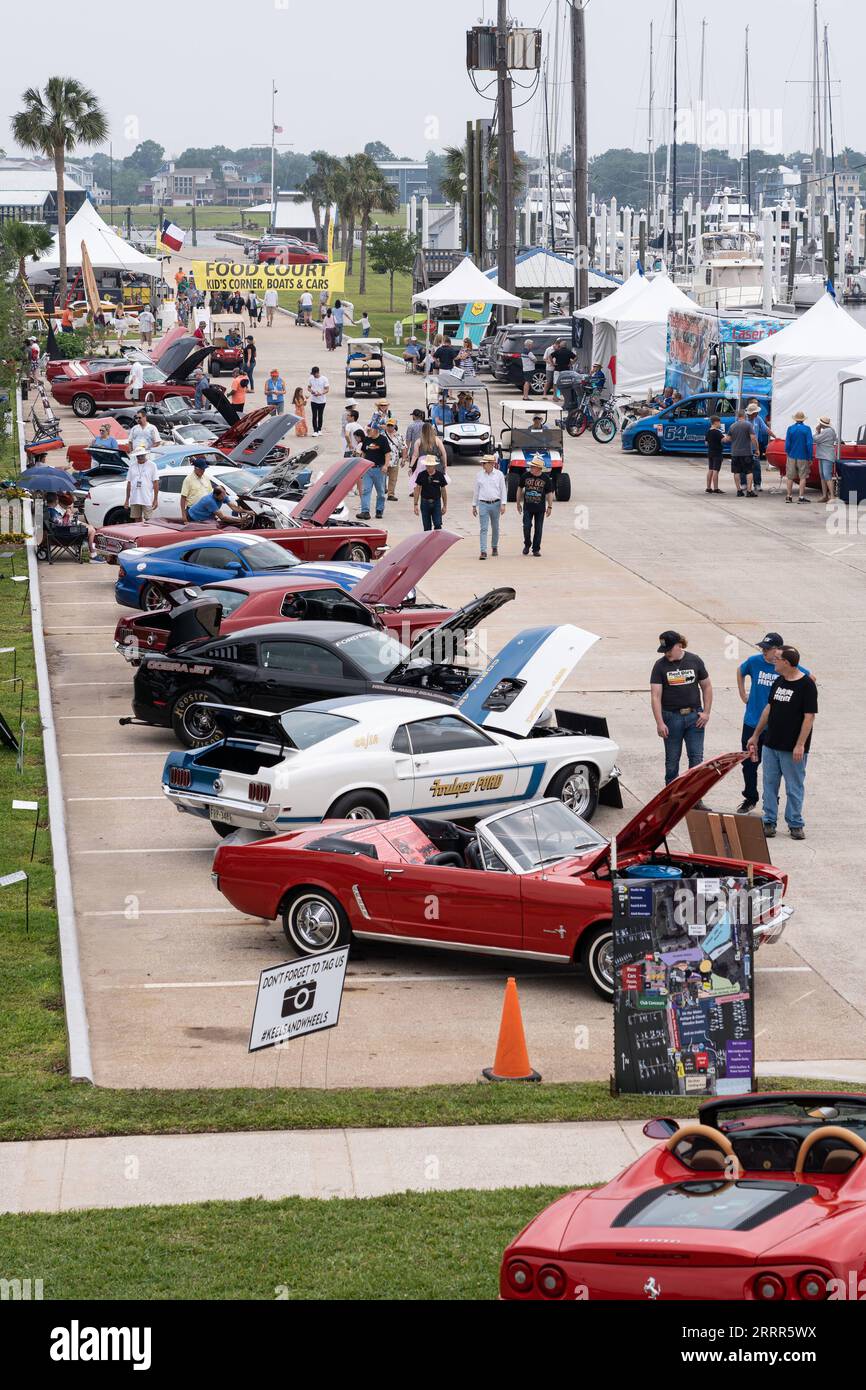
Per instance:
(278,130)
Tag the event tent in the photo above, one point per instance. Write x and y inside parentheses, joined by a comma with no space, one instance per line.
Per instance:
(465,285)
(107,250)
(630,332)
(809,357)
(538,270)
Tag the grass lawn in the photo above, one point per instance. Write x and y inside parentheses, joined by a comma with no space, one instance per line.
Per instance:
(376,301)
(143,215)
(440,1245)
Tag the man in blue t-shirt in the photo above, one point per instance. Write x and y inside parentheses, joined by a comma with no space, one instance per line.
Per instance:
(760,671)
(798,450)
(209,508)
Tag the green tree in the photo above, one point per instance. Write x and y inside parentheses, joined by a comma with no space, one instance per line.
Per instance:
(320,187)
(377,150)
(146,158)
(392,253)
(373,193)
(23,239)
(53,123)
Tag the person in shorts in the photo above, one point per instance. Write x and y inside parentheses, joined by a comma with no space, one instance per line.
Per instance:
(527,366)
(825,452)
(715,441)
(744,447)
(798,454)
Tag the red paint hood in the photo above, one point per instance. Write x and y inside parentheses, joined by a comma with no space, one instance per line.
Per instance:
(392,578)
(645,832)
(326,493)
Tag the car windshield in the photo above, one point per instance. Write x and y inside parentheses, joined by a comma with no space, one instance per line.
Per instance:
(153,376)
(267,555)
(532,836)
(194,434)
(238,479)
(308,727)
(228,599)
(377,653)
(175,405)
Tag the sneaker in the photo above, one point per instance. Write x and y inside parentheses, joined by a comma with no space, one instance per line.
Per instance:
(483,555)
(745,807)
(536,554)
(740,492)
(769,828)
(495,551)
(708,489)
(379,516)
(789,499)
(701,806)
(801,500)
(363,516)
(751,494)
(392,498)
(97,559)
(797,832)
(526,550)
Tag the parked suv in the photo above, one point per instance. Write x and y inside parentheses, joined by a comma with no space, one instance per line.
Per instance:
(508,345)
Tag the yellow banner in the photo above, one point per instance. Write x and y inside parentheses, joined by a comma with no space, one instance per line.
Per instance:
(294,279)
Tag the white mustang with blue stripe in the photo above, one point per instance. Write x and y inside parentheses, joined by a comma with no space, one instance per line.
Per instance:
(375,756)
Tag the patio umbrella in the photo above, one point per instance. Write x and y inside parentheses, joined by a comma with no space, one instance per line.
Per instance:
(47,480)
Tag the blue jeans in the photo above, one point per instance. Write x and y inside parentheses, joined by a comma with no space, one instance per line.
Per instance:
(431,513)
(375,477)
(250,373)
(489,513)
(777,764)
(277,403)
(682,729)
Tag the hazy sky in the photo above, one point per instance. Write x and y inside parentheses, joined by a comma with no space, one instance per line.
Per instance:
(199,73)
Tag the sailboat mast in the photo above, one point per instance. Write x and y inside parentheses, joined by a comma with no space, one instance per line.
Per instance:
(748,130)
(700,132)
(674,145)
(651,150)
(828,125)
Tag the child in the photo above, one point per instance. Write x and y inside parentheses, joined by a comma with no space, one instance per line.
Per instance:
(715,440)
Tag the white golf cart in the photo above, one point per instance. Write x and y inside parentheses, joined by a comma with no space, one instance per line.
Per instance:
(532,428)
(365,367)
(459,408)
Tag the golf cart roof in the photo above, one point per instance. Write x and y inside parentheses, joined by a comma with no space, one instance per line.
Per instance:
(364,342)
(517,412)
(445,384)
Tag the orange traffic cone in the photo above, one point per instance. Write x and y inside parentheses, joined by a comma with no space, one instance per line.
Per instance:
(512,1059)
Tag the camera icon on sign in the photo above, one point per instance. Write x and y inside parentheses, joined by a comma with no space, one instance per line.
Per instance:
(298,998)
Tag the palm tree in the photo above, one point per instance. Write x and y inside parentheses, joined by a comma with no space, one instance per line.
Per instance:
(53,123)
(373,193)
(453,183)
(26,239)
(344,196)
(320,188)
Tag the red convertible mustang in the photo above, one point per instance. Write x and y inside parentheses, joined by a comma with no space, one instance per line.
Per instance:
(314,533)
(382,598)
(762,1200)
(531,882)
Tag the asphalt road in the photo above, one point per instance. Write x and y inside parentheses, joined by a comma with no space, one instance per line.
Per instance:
(170,970)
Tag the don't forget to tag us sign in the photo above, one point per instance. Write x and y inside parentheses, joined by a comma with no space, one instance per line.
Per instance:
(294,279)
(300,997)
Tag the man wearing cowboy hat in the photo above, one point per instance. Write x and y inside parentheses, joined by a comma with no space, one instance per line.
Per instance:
(142,485)
(798,451)
(825,453)
(763,435)
(535,502)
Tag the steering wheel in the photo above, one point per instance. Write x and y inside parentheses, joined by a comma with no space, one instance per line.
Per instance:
(850,1140)
(694,1130)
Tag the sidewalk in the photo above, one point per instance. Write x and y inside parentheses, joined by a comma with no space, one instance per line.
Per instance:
(167,1170)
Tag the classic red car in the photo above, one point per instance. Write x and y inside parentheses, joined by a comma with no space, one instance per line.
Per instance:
(88,391)
(313,535)
(174,335)
(763,1199)
(777,458)
(533,881)
(83,457)
(380,598)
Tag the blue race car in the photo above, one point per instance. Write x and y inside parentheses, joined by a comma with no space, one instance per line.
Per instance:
(682,428)
(209,558)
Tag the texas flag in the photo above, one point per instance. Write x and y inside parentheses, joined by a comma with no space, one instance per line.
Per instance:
(172,236)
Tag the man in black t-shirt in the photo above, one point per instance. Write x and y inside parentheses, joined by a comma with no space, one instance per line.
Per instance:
(786,724)
(376,446)
(445,355)
(715,441)
(535,501)
(431,494)
(681,695)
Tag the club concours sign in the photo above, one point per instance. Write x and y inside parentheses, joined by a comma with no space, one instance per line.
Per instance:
(294,279)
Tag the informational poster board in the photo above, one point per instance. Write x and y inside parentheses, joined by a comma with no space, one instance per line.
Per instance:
(298,998)
(683,991)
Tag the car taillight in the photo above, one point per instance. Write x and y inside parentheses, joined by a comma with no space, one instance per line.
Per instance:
(769,1288)
(180,777)
(259,791)
(518,1275)
(812,1286)
(551,1281)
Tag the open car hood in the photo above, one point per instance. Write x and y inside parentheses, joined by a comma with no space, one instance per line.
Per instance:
(397,573)
(187,365)
(193,620)
(659,817)
(523,678)
(325,494)
(174,335)
(260,437)
(441,643)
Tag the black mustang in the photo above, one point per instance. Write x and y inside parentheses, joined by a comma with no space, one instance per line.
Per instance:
(280,665)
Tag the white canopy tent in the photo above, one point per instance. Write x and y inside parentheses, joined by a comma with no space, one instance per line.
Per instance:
(851,402)
(465,285)
(810,357)
(107,250)
(630,332)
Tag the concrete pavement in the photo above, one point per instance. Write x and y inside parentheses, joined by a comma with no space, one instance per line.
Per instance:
(170,971)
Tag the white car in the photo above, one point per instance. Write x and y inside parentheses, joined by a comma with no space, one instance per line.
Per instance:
(107,498)
(373,756)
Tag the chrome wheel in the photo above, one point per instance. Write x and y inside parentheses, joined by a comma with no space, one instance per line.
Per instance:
(152,599)
(598,961)
(314,924)
(604,961)
(361,813)
(198,725)
(576,791)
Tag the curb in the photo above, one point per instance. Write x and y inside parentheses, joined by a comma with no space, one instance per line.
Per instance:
(77,1029)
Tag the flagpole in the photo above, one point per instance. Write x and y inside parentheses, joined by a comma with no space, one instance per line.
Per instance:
(273,132)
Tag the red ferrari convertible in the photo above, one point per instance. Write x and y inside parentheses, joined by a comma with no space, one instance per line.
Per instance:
(380,598)
(533,881)
(762,1200)
(313,535)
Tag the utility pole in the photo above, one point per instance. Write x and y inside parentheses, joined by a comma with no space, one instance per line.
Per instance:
(580,171)
(507,270)
(651,148)
(673,209)
(273,133)
(469,173)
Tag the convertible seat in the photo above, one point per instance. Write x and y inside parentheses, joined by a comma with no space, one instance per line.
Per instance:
(839,1160)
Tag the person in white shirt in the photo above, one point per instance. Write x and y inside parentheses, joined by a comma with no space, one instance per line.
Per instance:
(135,381)
(305,304)
(270,302)
(121,324)
(143,435)
(318,387)
(488,501)
(142,486)
(146,324)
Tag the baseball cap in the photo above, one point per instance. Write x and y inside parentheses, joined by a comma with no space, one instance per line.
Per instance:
(772,639)
(668,639)
(199,465)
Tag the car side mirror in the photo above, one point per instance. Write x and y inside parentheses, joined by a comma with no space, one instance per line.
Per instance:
(235,567)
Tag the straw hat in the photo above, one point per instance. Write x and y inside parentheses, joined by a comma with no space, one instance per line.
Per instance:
(799,415)
(823,422)
(753,408)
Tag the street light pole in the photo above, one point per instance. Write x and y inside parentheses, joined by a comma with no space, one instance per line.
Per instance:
(580,170)
(507,270)
(273,133)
